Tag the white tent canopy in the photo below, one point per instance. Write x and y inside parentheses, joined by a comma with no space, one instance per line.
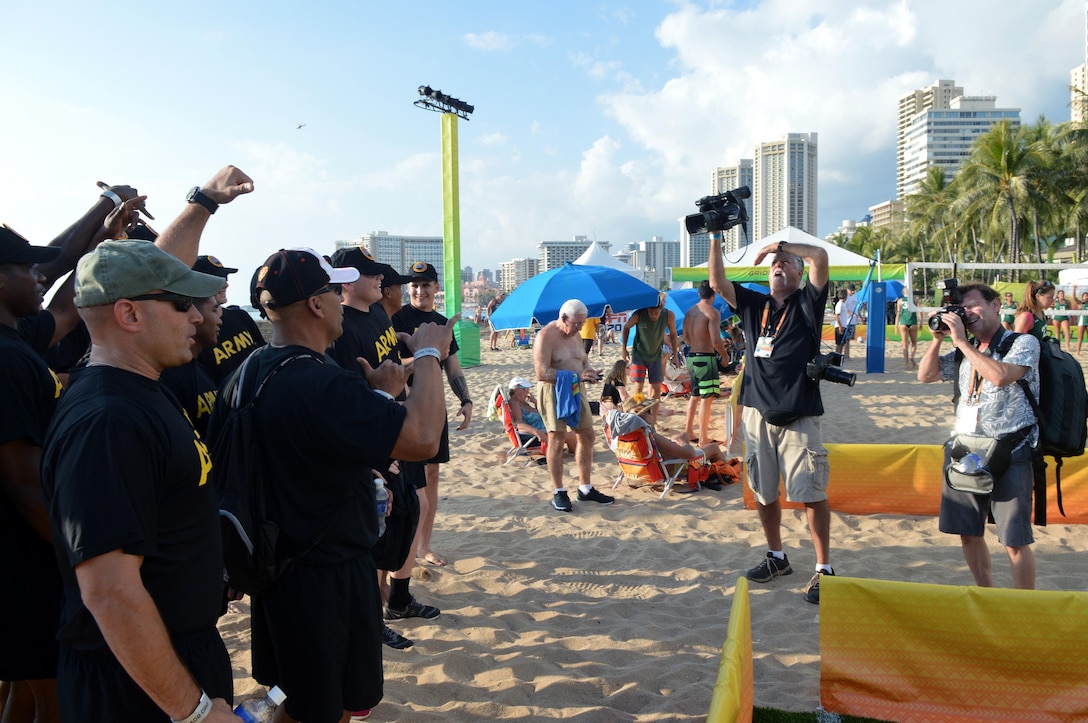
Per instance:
(836,255)
(597,256)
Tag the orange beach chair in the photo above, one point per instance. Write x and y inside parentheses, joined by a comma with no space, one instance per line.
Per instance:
(632,441)
(519,446)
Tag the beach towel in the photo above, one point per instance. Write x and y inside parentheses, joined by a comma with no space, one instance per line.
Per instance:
(568,397)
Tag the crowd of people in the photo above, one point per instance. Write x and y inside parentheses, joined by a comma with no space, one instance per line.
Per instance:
(118,390)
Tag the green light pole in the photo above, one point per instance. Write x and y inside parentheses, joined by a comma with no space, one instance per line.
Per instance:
(466,332)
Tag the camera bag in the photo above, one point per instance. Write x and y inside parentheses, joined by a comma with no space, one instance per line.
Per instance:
(994,456)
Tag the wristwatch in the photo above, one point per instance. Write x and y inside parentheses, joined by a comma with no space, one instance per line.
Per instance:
(781,247)
(195,195)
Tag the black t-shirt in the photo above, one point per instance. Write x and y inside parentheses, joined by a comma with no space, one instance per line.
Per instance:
(367,334)
(610,391)
(409,318)
(779,383)
(323,430)
(239,336)
(123,469)
(67,352)
(194,387)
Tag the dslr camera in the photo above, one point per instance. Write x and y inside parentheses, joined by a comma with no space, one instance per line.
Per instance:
(719,213)
(950,304)
(829,366)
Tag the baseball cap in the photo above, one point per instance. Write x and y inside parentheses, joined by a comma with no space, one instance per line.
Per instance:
(357,258)
(122,269)
(14,249)
(519,383)
(292,275)
(423,270)
(392,277)
(213,266)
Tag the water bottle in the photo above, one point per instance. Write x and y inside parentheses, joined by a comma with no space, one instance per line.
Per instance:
(261,710)
(382,495)
(969,463)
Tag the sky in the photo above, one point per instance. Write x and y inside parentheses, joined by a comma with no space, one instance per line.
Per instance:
(602,119)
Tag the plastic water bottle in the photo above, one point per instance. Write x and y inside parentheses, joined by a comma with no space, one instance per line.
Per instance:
(969,463)
(261,710)
(382,495)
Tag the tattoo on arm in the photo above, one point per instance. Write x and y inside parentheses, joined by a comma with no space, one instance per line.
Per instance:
(460,388)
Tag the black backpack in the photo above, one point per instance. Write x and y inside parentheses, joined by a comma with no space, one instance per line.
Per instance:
(1061,412)
(250,540)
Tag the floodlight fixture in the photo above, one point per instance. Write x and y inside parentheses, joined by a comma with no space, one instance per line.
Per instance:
(439,102)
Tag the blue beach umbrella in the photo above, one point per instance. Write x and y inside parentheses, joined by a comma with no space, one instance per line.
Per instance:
(893,290)
(540,297)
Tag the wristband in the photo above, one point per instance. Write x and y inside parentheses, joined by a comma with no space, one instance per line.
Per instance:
(203,708)
(385,394)
(427,351)
(465,401)
(113,197)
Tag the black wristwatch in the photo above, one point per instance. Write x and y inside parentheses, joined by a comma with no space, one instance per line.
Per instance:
(195,195)
(781,244)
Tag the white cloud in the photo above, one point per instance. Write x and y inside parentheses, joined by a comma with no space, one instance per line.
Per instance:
(492,139)
(490,41)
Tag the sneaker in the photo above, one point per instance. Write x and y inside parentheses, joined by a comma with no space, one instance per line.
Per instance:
(395,640)
(361,714)
(561,502)
(812,591)
(769,569)
(594,496)
(415,609)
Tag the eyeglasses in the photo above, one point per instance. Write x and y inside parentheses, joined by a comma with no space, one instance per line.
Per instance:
(181,303)
(337,289)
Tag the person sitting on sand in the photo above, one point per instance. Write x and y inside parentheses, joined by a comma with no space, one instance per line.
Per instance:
(526,416)
(613,389)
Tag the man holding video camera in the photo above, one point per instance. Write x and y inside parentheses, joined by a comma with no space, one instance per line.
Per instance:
(781,396)
(989,404)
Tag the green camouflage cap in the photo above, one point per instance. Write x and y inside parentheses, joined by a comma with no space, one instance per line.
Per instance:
(123,269)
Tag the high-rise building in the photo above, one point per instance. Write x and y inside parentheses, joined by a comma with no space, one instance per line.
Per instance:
(1078,93)
(784,185)
(886,213)
(513,273)
(655,259)
(694,248)
(554,254)
(944,136)
(401,252)
(728,178)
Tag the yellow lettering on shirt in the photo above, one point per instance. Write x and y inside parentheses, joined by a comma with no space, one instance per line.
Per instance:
(205,460)
(205,403)
(229,347)
(385,344)
(59,387)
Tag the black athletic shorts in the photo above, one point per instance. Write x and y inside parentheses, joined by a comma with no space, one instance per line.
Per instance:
(92,686)
(415,473)
(443,455)
(29,606)
(317,634)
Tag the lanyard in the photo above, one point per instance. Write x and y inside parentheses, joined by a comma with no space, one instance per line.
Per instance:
(767,327)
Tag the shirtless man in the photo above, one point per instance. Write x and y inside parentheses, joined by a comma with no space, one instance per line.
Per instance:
(491,306)
(558,348)
(701,324)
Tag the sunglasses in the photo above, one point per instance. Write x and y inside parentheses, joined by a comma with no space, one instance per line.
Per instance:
(337,289)
(181,303)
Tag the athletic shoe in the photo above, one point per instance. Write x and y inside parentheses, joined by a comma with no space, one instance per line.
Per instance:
(361,714)
(395,640)
(769,569)
(812,592)
(415,609)
(594,496)
(561,502)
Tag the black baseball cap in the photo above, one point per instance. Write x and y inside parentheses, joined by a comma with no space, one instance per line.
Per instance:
(292,275)
(14,249)
(391,277)
(357,258)
(423,270)
(213,266)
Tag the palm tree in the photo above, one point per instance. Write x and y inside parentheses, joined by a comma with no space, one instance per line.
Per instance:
(996,177)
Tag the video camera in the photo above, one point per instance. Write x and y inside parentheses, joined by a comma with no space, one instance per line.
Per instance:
(719,213)
(950,304)
(829,366)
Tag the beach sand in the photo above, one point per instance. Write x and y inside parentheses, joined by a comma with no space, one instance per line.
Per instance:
(619,613)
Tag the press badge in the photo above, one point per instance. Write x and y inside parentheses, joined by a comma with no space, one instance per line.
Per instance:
(764,347)
(967,417)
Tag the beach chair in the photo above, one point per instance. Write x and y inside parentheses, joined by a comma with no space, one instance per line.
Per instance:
(519,447)
(523,339)
(677,382)
(632,441)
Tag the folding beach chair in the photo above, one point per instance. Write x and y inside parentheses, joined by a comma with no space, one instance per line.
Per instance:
(521,444)
(632,441)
